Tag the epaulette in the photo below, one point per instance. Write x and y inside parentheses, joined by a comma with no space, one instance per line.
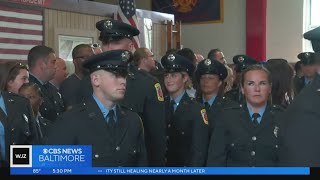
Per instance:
(277,107)
(231,106)
(79,107)
(126,107)
(148,76)
(14,95)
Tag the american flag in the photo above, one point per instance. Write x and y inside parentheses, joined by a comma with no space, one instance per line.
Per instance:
(127,14)
(20,30)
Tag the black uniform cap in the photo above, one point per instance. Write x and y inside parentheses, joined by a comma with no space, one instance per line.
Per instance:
(115,60)
(242,62)
(208,66)
(113,30)
(307,58)
(314,36)
(177,63)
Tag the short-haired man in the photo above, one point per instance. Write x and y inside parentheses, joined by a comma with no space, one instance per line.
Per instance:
(71,88)
(115,133)
(42,65)
(144,94)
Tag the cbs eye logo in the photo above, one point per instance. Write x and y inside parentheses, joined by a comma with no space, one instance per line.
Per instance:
(21,156)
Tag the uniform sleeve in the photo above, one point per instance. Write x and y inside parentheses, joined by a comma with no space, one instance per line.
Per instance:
(200,137)
(62,131)
(142,160)
(68,94)
(155,126)
(217,147)
(35,139)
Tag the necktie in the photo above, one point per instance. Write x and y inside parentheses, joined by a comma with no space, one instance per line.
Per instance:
(207,106)
(255,117)
(111,120)
(111,123)
(171,109)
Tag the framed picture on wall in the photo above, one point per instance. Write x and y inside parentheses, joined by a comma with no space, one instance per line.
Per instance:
(67,39)
(67,43)
(192,11)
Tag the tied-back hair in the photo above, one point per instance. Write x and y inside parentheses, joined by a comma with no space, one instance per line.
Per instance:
(256,67)
(282,81)
(9,71)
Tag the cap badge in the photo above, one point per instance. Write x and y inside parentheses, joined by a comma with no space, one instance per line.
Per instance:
(207,62)
(241,59)
(171,57)
(125,56)
(307,55)
(108,24)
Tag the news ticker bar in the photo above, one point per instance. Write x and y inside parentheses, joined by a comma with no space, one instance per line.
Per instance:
(163,171)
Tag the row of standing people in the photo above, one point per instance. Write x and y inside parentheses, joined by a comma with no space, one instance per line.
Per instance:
(188,128)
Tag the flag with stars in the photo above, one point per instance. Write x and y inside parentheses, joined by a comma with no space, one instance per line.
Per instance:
(127,14)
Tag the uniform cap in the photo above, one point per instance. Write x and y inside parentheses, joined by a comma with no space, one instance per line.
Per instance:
(113,29)
(208,66)
(243,61)
(177,63)
(307,58)
(115,60)
(314,36)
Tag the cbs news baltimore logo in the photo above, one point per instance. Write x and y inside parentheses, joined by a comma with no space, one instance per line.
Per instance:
(21,156)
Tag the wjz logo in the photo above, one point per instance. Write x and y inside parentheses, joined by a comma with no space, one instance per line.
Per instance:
(20,156)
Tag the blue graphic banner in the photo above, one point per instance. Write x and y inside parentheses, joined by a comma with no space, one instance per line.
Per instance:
(47,156)
(161,171)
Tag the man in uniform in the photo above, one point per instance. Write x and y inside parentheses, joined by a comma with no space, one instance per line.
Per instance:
(301,121)
(54,84)
(144,94)
(247,134)
(42,64)
(309,68)
(17,124)
(115,133)
(241,63)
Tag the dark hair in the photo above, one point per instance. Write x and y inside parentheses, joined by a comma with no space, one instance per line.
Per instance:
(212,52)
(188,53)
(9,72)
(297,66)
(254,68)
(76,50)
(171,51)
(37,53)
(32,85)
(282,80)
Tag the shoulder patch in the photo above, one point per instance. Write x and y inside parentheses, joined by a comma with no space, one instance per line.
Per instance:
(159,92)
(204,116)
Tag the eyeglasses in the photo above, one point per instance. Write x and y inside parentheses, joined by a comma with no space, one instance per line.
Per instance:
(19,65)
(95,45)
